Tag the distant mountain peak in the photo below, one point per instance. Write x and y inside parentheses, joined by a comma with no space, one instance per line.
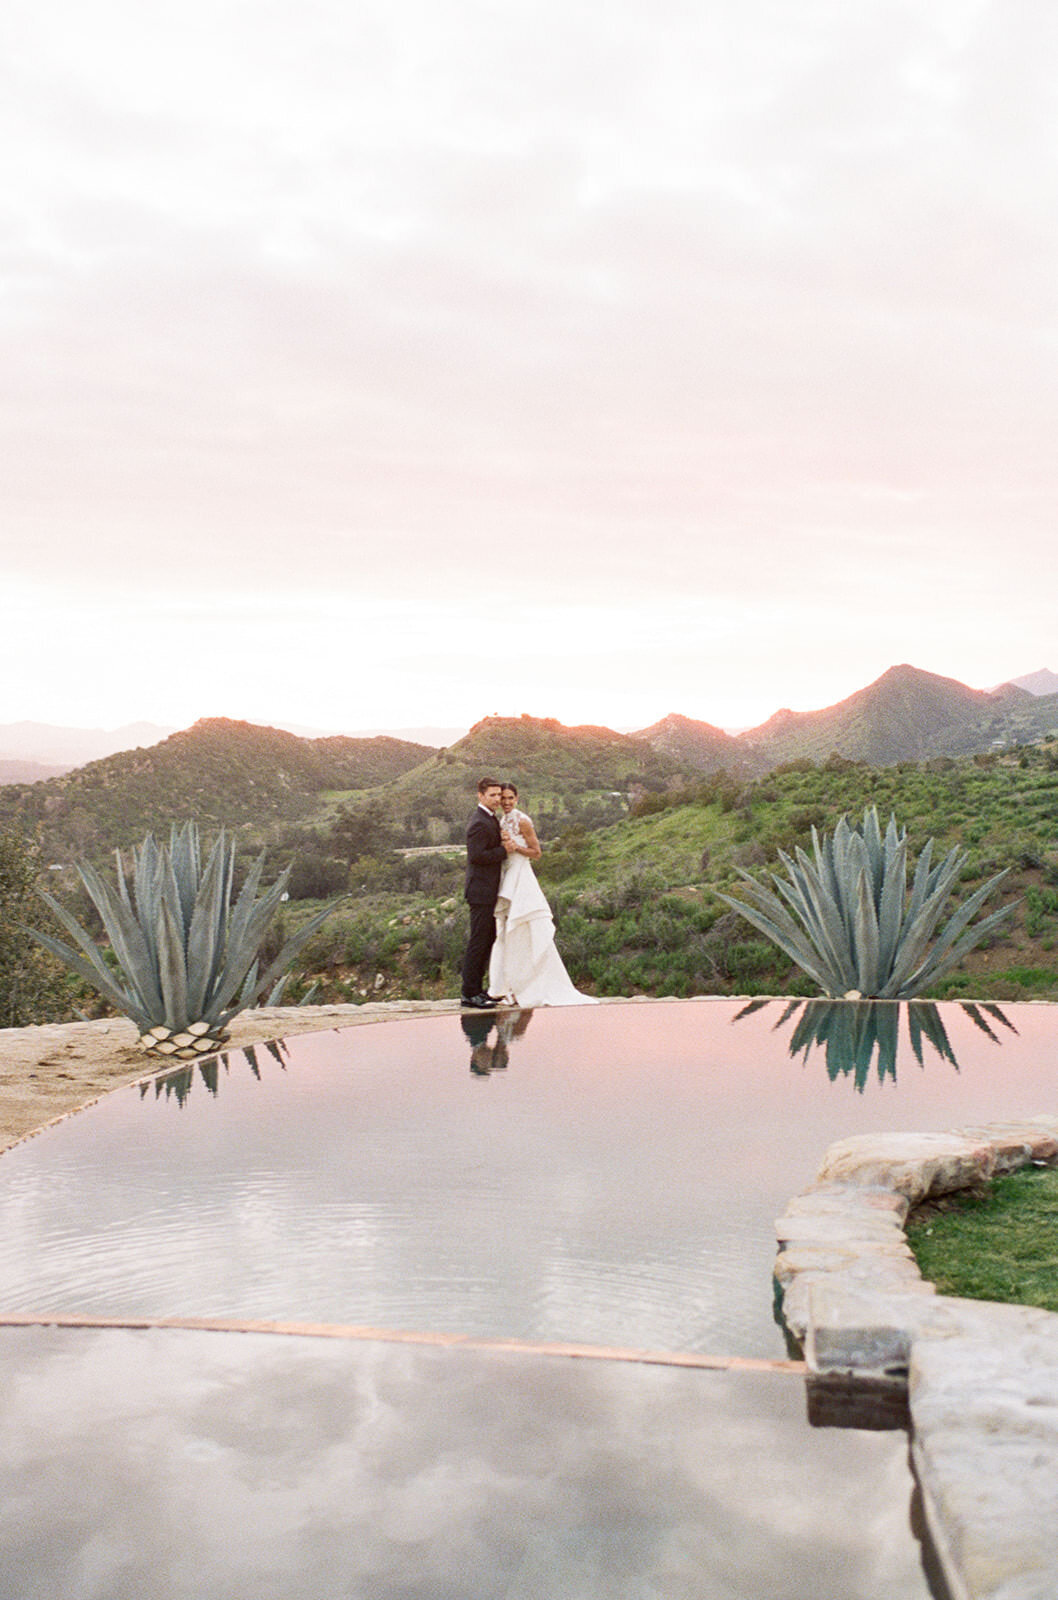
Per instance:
(675,721)
(49,745)
(907,714)
(1041,682)
(904,675)
(700,746)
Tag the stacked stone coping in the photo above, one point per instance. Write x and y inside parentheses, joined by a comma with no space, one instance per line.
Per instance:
(981,1378)
(852,1293)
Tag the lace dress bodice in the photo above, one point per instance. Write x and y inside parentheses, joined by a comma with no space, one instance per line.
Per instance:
(511,824)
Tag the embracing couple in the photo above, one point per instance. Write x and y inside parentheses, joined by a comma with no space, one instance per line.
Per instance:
(512,933)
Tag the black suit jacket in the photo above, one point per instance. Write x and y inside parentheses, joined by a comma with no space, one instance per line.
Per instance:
(485,858)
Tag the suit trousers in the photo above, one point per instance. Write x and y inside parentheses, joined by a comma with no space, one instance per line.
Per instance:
(479,948)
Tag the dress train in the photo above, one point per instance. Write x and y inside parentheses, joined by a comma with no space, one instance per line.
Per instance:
(526,965)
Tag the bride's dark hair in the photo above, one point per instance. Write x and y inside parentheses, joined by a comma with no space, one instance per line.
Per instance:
(509,785)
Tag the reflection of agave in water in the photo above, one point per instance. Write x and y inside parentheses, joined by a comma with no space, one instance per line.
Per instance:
(851,1031)
(177,1085)
(849,921)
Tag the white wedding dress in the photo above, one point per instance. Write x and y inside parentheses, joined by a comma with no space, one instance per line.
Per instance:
(525,966)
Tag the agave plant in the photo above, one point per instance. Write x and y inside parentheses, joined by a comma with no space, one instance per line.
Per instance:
(849,921)
(186,957)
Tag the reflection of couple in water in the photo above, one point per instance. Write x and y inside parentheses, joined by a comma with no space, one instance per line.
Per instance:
(486,1056)
(512,932)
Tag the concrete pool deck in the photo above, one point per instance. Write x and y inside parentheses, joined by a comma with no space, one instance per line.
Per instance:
(981,1379)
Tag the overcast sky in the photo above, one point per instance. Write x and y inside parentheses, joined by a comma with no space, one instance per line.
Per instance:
(390,362)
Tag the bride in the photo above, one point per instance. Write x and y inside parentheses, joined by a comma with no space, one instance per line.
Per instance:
(525,965)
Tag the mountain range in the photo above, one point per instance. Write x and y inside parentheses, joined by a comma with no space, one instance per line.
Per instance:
(32,751)
(907,715)
(1042,682)
(243,776)
(240,776)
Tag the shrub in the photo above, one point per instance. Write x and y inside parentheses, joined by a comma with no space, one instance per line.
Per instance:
(30,981)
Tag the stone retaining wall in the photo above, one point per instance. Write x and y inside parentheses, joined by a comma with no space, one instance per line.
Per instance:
(852,1293)
(981,1378)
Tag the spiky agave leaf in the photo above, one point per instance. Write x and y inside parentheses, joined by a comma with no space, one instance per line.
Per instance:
(88,963)
(186,859)
(957,938)
(770,917)
(172,961)
(128,940)
(809,897)
(891,900)
(246,929)
(208,924)
(282,960)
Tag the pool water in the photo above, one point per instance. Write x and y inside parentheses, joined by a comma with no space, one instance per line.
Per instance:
(162,1464)
(606,1175)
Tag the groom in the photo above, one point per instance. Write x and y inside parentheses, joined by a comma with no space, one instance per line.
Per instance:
(487,849)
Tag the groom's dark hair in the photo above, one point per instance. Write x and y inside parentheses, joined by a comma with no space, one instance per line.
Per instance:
(488,783)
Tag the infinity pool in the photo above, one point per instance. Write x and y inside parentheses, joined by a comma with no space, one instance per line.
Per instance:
(607,1175)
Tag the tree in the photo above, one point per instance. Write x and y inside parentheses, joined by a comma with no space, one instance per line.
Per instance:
(30,981)
(364,832)
(315,876)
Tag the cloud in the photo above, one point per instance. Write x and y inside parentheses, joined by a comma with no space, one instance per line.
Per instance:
(345,301)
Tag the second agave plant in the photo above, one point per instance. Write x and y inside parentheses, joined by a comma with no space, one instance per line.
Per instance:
(187,958)
(847,918)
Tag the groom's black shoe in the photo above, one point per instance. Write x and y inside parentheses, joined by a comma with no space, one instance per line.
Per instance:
(480,1002)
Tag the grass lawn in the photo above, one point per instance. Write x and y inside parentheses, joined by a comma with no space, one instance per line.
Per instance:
(999,1246)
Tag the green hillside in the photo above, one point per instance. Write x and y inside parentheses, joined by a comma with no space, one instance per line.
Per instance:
(562,774)
(316,795)
(218,771)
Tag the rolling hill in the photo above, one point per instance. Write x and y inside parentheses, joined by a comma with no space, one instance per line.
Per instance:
(906,715)
(551,764)
(237,775)
(259,779)
(701,747)
(220,772)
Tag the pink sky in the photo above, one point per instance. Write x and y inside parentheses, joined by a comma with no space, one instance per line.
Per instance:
(387,364)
